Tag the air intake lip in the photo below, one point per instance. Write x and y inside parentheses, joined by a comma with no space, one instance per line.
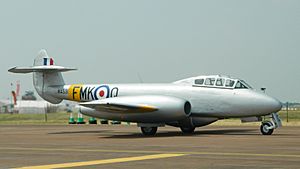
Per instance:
(187,108)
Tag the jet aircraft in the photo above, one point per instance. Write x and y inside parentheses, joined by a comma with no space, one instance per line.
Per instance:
(186,104)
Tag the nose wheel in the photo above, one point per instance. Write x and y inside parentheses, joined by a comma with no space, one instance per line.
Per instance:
(267,127)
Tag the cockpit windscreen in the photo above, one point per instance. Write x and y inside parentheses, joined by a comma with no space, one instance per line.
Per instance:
(222,82)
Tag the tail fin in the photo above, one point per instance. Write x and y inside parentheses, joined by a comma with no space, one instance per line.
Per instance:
(45,75)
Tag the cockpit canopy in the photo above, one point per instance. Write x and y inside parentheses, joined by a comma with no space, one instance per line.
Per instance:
(216,81)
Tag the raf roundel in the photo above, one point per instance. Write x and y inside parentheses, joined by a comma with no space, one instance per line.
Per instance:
(102,92)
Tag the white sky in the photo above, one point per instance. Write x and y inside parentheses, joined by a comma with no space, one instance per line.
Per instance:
(163,41)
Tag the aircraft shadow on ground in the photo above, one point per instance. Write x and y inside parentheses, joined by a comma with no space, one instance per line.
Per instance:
(196,133)
(119,135)
(81,132)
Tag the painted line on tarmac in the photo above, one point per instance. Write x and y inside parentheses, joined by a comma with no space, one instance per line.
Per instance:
(155,152)
(98,162)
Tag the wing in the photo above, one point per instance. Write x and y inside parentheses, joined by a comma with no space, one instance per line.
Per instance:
(120,104)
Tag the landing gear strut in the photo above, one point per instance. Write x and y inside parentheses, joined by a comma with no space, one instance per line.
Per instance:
(267,127)
(149,131)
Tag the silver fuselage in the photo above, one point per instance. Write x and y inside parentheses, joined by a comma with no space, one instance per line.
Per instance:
(205,101)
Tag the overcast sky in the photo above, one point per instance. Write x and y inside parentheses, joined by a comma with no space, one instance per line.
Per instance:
(162,41)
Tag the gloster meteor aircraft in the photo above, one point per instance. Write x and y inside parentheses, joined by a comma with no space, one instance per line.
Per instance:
(187,103)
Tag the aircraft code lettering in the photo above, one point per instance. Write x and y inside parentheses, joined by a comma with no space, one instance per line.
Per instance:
(86,93)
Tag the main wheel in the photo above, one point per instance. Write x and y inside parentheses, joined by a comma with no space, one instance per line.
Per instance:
(149,131)
(187,129)
(264,128)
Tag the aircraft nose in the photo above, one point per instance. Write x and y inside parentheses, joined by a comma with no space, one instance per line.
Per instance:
(277,105)
(273,104)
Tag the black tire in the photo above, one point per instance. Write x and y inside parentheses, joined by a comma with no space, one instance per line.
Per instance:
(149,131)
(264,130)
(188,130)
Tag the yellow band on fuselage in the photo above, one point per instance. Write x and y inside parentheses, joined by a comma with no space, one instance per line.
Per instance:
(74,92)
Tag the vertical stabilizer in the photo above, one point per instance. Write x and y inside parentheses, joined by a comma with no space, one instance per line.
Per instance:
(46,76)
(44,79)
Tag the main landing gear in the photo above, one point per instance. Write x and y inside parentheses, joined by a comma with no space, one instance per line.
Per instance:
(187,130)
(149,131)
(267,127)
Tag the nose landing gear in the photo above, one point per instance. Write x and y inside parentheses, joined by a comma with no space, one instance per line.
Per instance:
(267,127)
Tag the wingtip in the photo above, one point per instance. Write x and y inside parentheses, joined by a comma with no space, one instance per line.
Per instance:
(12,69)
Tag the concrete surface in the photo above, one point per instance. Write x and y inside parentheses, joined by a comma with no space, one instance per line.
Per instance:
(122,146)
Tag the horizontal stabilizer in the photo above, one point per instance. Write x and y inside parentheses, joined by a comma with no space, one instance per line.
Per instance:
(117,104)
(40,69)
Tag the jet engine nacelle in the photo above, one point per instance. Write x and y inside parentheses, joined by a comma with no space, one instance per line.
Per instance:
(167,109)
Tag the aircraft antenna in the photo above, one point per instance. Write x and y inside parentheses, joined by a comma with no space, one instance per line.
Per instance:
(140,78)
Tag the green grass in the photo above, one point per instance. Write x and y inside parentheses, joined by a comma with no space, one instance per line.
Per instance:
(52,118)
(63,117)
(293,115)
